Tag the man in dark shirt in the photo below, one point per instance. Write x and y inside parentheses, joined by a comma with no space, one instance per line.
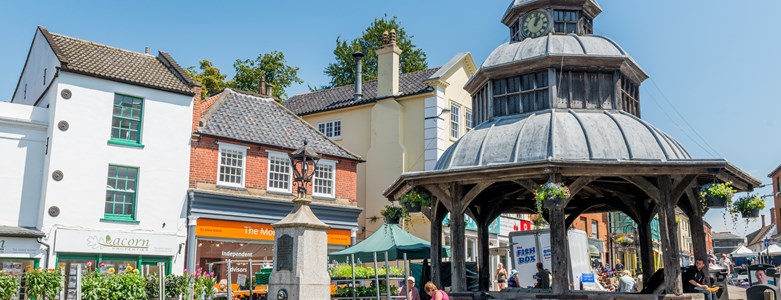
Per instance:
(543,277)
(694,280)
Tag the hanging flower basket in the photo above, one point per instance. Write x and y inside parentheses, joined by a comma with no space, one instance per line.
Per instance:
(716,195)
(392,214)
(750,214)
(550,195)
(749,206)
(414,201)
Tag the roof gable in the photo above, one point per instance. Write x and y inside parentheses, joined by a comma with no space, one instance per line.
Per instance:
(101,61)
(342,97)
(257,119)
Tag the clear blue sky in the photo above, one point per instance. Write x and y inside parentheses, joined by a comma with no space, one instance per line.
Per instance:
(713,64)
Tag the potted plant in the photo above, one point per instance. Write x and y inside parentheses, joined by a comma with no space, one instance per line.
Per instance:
(550,195)
(716,195)
(9,285)
(392,214)
(749,206)
(414,200)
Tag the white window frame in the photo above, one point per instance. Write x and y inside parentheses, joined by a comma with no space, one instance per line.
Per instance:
(455,120)
(232,147)
(333,128)
(594,229)
(332,164)
(468,119)
(283,156)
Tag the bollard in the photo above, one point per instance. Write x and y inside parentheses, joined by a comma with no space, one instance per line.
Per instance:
(160,281)
(769,295)
(78,282)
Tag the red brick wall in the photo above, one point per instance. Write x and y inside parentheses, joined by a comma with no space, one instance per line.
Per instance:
(583,222)
(708,239)
(774,178)
(200,107)
(204,155)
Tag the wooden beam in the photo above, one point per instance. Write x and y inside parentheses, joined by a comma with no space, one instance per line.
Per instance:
(401,192)
(644,185)
(474,192)
(527,184)
(681,186)
(740,185)
(443,195)
(579,183)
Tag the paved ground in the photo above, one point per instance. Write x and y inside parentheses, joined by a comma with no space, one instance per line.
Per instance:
(736,293)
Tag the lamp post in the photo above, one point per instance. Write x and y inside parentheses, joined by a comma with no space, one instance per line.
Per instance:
(302,174)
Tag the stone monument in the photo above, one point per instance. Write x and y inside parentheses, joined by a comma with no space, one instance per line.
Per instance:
(300,256)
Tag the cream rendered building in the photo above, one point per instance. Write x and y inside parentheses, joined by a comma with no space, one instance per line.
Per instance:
(395,124)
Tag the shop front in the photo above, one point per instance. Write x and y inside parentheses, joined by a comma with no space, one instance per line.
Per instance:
(243,243)
(113,250)
(20,252)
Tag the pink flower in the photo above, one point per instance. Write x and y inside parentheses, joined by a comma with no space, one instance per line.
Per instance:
(185,270)
(207,275)
(89,264)
(101,264)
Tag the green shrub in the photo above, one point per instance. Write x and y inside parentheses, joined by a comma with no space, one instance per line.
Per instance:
(43,284)
(9,285)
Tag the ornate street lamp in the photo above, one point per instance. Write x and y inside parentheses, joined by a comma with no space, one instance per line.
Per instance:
(302,174)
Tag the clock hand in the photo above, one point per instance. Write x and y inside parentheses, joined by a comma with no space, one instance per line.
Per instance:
(536,21)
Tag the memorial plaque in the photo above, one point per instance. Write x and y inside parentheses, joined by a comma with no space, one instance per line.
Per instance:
(285,253)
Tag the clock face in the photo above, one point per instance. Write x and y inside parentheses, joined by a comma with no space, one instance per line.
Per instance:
(536,24)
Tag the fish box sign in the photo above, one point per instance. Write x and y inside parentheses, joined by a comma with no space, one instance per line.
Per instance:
(115,242)
(526,255)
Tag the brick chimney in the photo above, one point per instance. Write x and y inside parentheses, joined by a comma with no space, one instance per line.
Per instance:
(763,221)
(773,215)
(388,69)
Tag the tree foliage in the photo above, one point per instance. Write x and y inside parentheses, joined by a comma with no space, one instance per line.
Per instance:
(272,65)
(342,71)
(211,79)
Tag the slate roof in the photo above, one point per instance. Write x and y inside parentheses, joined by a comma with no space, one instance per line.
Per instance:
(92,59)
(758,235)
(341,97)
(257,119)
(778,169)
(726,236)
(562,135)
(13,231)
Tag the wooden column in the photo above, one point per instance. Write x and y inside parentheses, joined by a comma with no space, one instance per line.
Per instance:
(669,235)
(697,228)
(484,256)
(646,250)
(436,251)
(559,244)
(457,238)
(457,252)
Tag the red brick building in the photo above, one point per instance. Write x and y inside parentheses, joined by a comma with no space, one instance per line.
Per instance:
(708,238)
(595,226)
(775,180)
(241,181)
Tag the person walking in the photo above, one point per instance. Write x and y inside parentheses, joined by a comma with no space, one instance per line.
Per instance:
(726,263)
(436,294)
(694,280)
(501,276)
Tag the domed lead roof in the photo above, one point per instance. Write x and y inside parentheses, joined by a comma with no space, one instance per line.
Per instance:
(562,135)
(553,45)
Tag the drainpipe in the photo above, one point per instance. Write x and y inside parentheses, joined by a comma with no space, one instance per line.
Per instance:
(48,250)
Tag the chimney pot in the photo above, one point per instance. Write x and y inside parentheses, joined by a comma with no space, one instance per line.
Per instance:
(146,50)
(269,89)
(763,221)
(262,85)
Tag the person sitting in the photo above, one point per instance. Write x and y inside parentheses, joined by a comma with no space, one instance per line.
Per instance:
(694,280)
(436,294)
(627,284)
(761,277)
(543,277)
(513,281)
(413,291)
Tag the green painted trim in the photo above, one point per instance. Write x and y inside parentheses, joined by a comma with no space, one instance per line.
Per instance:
(125,143)
(119,219)
(140,119)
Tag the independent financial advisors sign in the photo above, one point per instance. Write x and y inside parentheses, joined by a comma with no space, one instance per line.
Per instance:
(90,241)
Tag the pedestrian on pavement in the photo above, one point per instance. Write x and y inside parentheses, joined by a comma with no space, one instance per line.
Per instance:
(694,280)
(543,277)
(627,284)
(725,263)
(413,291)
(501,276)
(436,294)
(619,267)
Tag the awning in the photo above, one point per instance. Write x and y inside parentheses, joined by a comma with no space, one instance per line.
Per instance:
(593,251)
(13,231)
(772,250)
(742,251)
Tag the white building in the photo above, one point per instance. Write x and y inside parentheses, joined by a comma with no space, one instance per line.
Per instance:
(114,171)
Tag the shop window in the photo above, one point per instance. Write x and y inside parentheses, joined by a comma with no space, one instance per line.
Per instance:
(594,229)
(121,193)
(279,178)
(325,175)
(231,165)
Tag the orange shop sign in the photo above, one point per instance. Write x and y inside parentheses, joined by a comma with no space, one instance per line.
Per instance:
(255,231)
